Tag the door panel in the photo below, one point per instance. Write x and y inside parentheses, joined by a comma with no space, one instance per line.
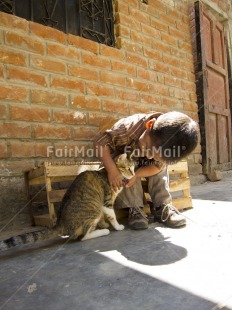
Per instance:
(214,109)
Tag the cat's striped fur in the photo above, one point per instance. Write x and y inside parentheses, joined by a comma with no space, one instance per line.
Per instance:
(86,205)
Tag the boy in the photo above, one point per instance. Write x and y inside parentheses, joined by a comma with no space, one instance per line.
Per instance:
(156,140)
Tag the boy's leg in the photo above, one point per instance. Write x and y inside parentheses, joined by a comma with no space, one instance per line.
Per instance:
(158,188)
(132,198)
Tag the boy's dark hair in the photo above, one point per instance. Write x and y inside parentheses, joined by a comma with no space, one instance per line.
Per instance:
(176,135)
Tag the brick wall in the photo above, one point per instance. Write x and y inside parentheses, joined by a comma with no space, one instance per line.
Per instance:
(57,90)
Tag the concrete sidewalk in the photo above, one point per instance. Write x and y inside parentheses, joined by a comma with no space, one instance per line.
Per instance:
(160,268)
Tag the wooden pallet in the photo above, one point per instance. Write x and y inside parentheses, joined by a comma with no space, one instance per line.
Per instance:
(49,173)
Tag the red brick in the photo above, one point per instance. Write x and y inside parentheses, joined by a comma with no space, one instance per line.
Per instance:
(139,16)
(99,89)
(152,53)
(41,149)
(52,132)
(187,65)
(169,39)
(178,93)
(26,151)
(83,43)
(123,67)
(129,46)
(159,89)
(150,31)
(146,74)
(128,21)
(179,73)
(48,33)
(3,111)
(46,64)
(171,60)
(189,106)
(126,94)
(48,98)
(76,85)
(160,46)
(69,117)
(12,130)
(64,52)
(115,106)
(83,72)
(174,13)
(159,25)
(26,75)
(137,60)
(11,21)
(177,34)
(150,98)
(172,81)
(29,149)
(113,78)
(96,61)
(102,119)
(172,104)
(27,113)
(122,31)
(10,57)
(112,52)
(86,102)
(84,133)
(140,38)
(121,7)
(186,47)
(13,93)
(24,42)
(159,66)
(1,71)
(138,109)
(165,18)
(135,84)
(159,5)
(3,149)
(186,85)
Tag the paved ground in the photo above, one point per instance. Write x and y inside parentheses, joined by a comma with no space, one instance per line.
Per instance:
(159,268)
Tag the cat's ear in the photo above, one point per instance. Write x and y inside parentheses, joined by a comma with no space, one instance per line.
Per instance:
(123,156)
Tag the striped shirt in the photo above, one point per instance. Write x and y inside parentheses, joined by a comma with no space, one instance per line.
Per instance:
(125,133)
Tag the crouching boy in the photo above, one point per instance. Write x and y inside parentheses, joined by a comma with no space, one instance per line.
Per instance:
(156,140)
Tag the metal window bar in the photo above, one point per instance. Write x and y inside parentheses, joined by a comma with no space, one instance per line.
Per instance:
(91,19)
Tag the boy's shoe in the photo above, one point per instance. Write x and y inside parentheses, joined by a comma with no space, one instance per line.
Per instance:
(137,219)
(169,216)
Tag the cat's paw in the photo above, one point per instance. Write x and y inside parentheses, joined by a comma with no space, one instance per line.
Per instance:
(104,232)
(119,227)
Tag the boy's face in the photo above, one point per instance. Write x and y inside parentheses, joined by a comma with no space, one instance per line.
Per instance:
(146,147)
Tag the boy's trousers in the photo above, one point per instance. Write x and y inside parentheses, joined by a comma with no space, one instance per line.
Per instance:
(158,188)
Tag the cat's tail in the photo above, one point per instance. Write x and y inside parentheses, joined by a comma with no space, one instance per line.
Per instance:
(29,237)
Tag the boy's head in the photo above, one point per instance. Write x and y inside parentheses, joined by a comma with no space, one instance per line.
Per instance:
(174,135)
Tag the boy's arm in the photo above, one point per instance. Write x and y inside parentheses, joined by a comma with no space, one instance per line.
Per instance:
(143,172)
(114,176)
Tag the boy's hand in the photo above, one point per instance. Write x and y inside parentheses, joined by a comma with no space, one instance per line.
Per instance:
(131,181)
(115,179)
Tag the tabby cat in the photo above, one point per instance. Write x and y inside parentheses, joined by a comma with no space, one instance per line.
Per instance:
(88,202)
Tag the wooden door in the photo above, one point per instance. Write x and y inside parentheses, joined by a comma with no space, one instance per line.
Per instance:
(213,91)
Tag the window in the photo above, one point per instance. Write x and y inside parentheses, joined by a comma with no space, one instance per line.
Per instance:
(90,19)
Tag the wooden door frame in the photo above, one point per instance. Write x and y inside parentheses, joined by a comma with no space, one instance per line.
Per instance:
(202,91)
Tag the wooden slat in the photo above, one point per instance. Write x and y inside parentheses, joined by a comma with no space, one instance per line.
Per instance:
(41,180)
(179,185)
(56,195)
(66,170)
(179,167)
(43,220)
(182,203)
